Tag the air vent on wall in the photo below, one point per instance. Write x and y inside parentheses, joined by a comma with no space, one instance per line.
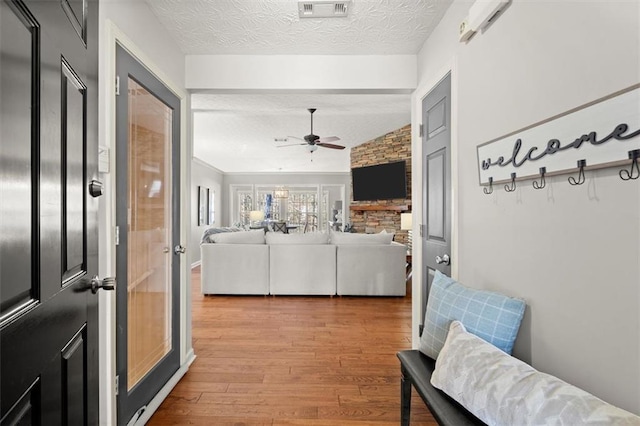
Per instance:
(323,9)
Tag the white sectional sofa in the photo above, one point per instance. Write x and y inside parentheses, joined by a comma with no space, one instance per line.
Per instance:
(251,263)
(371,270)
(235,268)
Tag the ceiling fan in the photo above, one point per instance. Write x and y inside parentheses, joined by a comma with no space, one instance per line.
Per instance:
(314,141)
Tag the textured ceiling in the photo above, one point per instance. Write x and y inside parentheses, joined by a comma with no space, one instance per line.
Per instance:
(241,27)
(236,133)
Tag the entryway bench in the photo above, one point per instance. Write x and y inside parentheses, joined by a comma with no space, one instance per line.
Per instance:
(416,371)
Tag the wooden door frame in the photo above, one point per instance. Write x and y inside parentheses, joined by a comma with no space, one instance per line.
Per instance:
(112,35)
(449,67)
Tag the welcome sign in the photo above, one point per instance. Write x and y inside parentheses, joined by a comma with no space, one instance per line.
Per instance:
(602,133)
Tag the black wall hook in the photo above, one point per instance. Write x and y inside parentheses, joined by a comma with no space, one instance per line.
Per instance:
(490,190)
(512,187)
(581,178)
(628,174)
(543,181)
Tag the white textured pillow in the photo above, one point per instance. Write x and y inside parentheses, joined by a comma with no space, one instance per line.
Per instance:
(308,238)
(502,390)
(255,236)
(349,238)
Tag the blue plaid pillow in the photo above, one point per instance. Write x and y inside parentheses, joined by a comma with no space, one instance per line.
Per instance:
(491,316)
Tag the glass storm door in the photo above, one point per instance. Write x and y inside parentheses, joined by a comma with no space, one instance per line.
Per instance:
(148,221)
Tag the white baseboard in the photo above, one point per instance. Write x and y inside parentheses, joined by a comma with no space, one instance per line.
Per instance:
(163,393)
(196,264)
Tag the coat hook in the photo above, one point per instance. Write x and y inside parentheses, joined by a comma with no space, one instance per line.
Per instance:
(490,190)
(628,174)
(543,181)
(581,179)
(512,187)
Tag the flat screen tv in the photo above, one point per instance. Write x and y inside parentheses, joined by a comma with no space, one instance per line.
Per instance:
(379,182)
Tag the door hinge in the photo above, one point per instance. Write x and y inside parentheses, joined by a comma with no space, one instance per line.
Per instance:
(422,230)
(117,384)
(117,85)
(421,130)
(117,235)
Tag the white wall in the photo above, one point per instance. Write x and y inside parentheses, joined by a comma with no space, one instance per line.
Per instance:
(571,252)
(389,73)
(203,174)
(135,26)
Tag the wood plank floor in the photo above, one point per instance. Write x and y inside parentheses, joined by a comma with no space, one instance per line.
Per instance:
(294,361)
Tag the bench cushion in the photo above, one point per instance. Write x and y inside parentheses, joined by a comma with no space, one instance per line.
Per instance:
(418,368)
(502,390)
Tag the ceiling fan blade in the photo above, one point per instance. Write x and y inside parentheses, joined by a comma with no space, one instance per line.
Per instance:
(329,139)
(294,137)
(291,144)
(330,145)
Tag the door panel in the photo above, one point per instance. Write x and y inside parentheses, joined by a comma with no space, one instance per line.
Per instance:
(18,76)
(73,148)
(48,154)
(436,201)
(436,182)
(148,130)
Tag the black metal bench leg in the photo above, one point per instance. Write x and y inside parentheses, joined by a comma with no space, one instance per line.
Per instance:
(405,400)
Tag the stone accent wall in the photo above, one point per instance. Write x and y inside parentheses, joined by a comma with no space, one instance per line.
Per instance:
(394,146)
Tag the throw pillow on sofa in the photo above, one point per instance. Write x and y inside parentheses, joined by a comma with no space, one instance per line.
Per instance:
(245,237)
(350,238)
(208,234)
(502,390)
(492,316)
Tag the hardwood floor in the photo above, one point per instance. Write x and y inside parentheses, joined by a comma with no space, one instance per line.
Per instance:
(294,361)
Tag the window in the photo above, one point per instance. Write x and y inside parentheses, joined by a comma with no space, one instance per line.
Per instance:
(308,207)
(245,205)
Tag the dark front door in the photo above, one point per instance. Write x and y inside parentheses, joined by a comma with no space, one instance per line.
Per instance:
(48,216)
(149,251)
(436,183)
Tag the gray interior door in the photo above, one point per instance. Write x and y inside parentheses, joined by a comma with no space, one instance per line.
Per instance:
(149,253)
(436,183)
(48,212)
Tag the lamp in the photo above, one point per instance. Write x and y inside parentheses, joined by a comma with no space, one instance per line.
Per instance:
(281,192)
(406,224)
(256,216)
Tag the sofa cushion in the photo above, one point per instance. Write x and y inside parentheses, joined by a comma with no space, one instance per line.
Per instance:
(304,239)
(246,237)
(349,238)
(494,317)
(502,390)
(210,232)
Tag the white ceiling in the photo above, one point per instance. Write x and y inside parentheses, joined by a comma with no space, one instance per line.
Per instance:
(271,27)
(235,133)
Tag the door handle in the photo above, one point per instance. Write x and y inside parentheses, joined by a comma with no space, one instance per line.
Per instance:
(444,259)
(108,283)
(179,249)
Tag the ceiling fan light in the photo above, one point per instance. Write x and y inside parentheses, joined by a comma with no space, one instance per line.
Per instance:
(312,148)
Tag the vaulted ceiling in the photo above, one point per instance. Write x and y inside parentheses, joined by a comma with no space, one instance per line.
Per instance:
(236,133)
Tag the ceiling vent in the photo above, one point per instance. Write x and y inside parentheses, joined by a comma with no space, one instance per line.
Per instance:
(323,9)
